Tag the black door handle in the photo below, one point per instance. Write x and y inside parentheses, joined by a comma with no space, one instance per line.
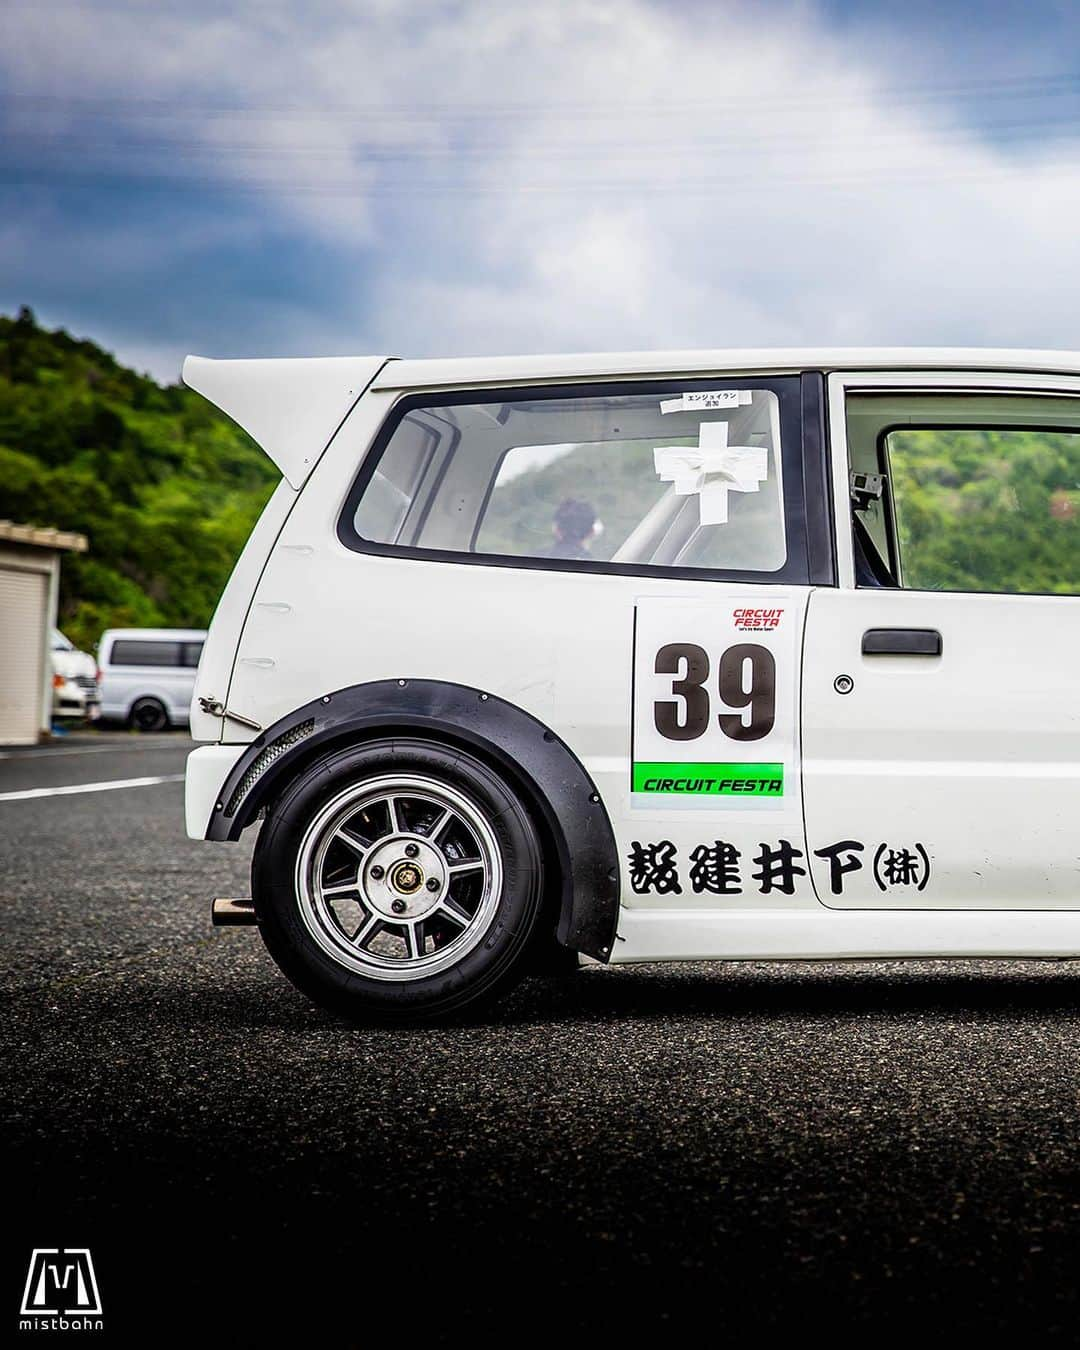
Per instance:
(901,642)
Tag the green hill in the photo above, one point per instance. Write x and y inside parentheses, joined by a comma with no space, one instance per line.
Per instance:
(165,487)
(988,510)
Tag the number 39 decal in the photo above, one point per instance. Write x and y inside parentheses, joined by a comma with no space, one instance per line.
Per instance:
(713,721)
(746,683)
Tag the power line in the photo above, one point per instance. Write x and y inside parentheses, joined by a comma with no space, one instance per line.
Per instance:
(858,179)
(781,138)
(1038,86)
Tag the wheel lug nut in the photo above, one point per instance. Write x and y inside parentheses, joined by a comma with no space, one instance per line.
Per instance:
(377,872)
(433,883)
(411,850)
(399,906)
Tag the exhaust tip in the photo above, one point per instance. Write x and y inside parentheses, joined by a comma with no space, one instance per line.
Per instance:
(232,913)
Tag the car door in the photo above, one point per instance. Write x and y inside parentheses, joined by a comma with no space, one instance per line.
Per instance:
(941,697)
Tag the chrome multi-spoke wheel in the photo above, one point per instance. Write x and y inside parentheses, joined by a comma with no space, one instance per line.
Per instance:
(398,877)
(400,880)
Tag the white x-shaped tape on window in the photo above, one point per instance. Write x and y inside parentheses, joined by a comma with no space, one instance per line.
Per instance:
(712,469)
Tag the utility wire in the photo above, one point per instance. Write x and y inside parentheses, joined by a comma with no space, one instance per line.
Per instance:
(781,139)
(994,91)
(862,180)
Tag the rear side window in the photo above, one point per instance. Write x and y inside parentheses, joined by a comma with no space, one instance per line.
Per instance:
(680,477)
(139,652)
(191,651)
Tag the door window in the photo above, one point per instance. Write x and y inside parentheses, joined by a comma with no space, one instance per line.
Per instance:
(966,492)
(672,477)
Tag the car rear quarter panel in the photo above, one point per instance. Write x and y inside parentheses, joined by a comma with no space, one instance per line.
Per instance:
(558,645)
(219,652)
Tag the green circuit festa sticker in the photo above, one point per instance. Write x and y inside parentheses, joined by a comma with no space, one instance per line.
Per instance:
(709,780)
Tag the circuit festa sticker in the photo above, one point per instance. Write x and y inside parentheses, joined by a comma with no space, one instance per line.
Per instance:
(756,620)
(714,703)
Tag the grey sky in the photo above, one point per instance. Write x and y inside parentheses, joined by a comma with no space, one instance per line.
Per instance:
(418,178)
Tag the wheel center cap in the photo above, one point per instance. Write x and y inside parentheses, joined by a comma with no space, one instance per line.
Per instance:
(403,878)
(406,877)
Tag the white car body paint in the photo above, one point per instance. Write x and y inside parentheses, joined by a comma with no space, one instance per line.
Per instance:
(496,371)
(291,407)
(214,676)
(982,737)
(205,771)
(976,751)
(831,935)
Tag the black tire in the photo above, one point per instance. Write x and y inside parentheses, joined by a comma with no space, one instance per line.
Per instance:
(148,714)
(501,951)
(551,960)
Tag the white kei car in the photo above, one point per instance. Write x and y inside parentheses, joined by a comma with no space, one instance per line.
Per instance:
(663,657)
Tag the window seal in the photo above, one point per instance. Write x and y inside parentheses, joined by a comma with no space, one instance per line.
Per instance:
(817,480)
(440,474)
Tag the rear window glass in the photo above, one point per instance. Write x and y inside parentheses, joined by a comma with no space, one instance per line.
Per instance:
(681,479)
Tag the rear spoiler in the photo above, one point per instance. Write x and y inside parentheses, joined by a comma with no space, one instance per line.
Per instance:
(291,407)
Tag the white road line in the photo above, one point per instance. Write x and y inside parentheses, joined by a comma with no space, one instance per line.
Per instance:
(131,747)
(89,787)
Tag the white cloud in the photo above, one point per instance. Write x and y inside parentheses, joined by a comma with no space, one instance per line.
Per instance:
(614,173)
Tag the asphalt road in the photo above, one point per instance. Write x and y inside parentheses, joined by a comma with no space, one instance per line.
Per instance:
(849,1147)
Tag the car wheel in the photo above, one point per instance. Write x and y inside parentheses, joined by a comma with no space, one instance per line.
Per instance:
(399,881)
(148,714)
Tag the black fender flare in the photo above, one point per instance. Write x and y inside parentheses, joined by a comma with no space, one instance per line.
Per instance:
(542,768)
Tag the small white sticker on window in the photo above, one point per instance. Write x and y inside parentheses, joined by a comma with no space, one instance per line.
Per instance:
(699,399)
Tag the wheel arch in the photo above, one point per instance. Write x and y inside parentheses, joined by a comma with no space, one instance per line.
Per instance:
(552,782)
(137,695)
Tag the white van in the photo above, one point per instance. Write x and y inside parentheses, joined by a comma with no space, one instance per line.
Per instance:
(652,657)
(148,675)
